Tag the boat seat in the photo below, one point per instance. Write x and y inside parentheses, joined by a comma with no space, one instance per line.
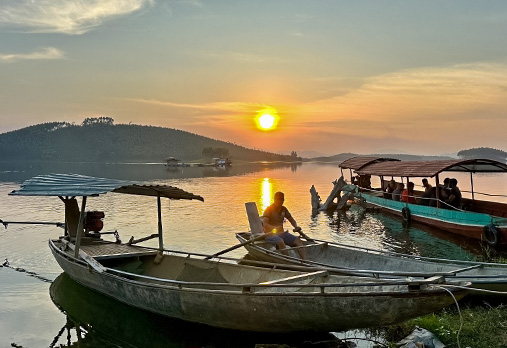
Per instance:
(194,273)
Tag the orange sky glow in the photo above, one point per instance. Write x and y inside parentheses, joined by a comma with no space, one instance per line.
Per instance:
(424,78)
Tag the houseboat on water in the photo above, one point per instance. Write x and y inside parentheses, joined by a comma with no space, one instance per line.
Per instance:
(174,162)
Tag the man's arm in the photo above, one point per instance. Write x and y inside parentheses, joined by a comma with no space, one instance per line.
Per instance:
(294,223)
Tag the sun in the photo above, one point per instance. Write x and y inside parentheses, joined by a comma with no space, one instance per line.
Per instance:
(267,120)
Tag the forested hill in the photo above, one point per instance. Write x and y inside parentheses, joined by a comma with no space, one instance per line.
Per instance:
(100,140)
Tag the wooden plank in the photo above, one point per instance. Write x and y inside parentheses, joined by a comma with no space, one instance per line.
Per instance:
(253,218)
(92,262)
(295,278)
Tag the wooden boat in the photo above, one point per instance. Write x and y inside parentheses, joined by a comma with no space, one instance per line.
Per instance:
(105,322)
(218,293)
(478,219)
(488,278)
(348,259)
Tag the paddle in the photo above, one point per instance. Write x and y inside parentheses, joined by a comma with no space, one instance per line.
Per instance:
(259,237)
(298,230)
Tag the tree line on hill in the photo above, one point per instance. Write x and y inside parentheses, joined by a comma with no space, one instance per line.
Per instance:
(484,152)
(100,140)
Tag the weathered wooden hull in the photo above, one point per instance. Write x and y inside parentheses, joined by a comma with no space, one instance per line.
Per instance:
(315,305)
(464,223)
(361,261)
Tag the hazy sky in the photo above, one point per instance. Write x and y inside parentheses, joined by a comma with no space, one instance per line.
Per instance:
(426,77)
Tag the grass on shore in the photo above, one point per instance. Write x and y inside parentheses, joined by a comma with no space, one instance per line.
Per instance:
(483,326)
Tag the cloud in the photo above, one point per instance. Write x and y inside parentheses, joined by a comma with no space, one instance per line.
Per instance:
(64,16)
(229,107)
(47,53)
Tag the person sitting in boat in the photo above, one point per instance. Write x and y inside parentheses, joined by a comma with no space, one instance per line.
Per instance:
(273,219)
(391,186)
(408,195)
(454,199)
(428,194)
(445,190)
(399,190)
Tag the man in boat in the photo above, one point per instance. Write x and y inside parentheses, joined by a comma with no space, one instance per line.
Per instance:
(408,195)
(445,190)
(273,219)
(399,190)
(454,199)
(429,193)
(391,186)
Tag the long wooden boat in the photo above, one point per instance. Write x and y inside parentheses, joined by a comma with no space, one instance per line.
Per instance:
(479,219)
(222,294)
(489,278)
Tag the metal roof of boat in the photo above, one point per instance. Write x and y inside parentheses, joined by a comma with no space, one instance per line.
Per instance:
(358,162)
(431,168)
(81,185)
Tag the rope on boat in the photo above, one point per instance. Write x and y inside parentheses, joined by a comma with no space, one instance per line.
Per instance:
(459,312)
(486,291)
(22,270)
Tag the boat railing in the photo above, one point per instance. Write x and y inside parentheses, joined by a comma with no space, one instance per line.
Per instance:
(444,205)
(369,250)
(412,284)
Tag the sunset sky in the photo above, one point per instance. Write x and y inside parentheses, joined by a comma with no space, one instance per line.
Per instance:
(423,77)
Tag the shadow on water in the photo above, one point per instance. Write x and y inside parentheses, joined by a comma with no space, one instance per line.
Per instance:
(96,320)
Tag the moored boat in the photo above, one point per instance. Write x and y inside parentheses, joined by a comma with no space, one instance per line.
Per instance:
(490,279)
(479,219)
(215,292)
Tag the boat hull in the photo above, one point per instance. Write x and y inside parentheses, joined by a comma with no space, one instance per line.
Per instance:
(262,311)
(464,223)
(376,263)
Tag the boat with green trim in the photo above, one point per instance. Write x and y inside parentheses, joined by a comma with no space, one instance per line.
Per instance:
(479,219)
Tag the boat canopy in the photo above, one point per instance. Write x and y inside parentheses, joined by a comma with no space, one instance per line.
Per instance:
(81,185)
(356,163)
(384,167)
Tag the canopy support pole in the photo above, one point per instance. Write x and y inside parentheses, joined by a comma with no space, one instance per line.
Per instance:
(160,239)
(472,184)
(79,231)
(437,190)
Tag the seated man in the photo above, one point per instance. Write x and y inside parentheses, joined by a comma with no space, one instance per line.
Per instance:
(399,190)
(429,193)
(272,220)
(454,199)
(408,195)
(391,186)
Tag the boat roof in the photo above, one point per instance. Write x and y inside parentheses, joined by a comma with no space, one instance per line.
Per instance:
(428,168)
(358,162)
(82,185)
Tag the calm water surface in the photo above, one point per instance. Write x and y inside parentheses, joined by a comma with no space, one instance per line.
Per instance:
(33,290)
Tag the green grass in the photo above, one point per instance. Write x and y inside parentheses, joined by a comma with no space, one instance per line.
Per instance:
(481,327)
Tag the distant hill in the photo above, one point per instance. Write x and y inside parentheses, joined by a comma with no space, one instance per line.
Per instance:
(100,140)
(484,152)
(404,157)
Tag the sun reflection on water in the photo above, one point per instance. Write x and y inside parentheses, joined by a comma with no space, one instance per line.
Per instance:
(267,193)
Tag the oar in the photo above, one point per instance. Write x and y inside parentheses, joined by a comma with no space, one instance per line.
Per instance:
(298,230)
(6,223)
(259,237)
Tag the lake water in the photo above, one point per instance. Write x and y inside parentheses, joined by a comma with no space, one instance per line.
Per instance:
(29,316)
